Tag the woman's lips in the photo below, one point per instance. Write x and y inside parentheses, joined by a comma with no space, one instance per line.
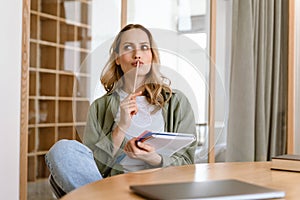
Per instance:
(136,63)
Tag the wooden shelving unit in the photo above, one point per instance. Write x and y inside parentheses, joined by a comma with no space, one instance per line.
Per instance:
(60,38)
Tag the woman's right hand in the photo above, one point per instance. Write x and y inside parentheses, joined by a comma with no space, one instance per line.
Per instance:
(128,108)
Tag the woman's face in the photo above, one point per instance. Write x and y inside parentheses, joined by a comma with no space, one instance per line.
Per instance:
(134,47)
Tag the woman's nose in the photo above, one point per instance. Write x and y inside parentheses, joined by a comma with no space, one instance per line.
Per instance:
(137,54)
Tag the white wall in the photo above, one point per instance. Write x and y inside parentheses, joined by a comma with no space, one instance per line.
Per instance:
(10,81)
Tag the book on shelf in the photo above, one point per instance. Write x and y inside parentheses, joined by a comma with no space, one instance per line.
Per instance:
(165,143)
(286,162)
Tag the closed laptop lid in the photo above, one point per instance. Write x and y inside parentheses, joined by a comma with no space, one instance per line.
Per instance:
(219,189)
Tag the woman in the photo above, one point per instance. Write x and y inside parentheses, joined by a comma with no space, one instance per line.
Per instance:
(138,98)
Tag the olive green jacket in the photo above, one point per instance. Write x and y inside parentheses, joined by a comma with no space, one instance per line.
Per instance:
(178,116)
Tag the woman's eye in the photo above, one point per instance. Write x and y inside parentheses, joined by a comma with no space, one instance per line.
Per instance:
(128,48)
(145,47)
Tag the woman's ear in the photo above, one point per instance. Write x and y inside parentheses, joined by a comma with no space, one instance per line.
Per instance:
(117,59)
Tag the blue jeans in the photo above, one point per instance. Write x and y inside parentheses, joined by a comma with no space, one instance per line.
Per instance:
(71,165)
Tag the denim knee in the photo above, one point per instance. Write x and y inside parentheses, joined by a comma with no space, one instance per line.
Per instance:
(64,149)
(71,164)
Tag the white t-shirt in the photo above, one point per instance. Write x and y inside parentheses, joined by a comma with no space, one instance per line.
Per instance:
(141,122)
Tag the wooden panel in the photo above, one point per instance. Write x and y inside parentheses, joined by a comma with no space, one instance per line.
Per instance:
(123,13)
(24,99)
(211,108)
(291,80)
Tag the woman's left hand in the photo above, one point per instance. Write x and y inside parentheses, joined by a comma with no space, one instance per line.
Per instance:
(143,152)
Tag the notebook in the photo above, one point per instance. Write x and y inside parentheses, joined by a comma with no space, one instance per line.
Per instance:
(230,189)
(165,143)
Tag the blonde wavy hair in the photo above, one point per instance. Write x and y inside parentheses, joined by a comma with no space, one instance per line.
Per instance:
(155,83)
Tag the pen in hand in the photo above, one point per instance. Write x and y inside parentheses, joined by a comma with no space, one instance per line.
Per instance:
(136,73)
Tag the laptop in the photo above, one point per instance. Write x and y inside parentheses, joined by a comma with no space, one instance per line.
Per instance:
(230,189)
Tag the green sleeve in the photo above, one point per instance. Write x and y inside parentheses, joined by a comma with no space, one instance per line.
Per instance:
(180,118)
(97,135)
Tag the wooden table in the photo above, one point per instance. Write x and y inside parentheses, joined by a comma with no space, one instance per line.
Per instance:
(117,187)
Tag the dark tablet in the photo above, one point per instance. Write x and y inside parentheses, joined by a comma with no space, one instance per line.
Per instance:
(219,189)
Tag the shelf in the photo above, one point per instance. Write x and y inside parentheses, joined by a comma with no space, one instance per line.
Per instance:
(46,111)
(42,170)
(60,41)
(48,29)
(65,132)
(76,11)
(66,59)
(85,10)
(47,82)
(31,140)
(33,25)
(56,45)
(66,85)
(33,53)
(85,37)
(46,138)
(48,57)
(67,34)
(65,114)
(31,169)
(58,98)
(32,112)
(68,10)
(34,5)
(49,7)
(57,124)
(60,72)
(77,24)
(32,83)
